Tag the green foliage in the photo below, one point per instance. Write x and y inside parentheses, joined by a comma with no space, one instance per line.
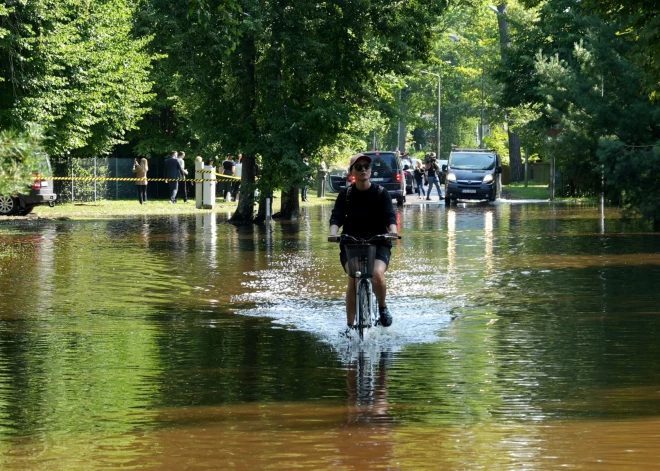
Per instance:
(283,80)
(576,76)
(75,68)
(634,171)
(18,159)
(638,22)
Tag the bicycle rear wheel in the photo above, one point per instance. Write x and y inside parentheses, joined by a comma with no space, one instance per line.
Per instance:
(363,314)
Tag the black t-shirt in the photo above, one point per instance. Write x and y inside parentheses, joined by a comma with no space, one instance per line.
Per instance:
(432,170)
(227,166)
(365,214)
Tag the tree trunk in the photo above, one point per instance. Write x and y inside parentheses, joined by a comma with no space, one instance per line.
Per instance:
(515,159)
(290,205)
(245,211)
(261,212)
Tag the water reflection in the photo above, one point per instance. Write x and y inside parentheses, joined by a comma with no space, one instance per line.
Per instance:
(157,342)
(207,237)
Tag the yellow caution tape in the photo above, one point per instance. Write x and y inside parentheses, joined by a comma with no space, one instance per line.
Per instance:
(127,179)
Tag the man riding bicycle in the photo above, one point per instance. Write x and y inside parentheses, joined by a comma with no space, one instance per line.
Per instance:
(365,209)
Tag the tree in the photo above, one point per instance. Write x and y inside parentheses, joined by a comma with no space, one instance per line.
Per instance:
(280,81)
(75,68)
(577,71)
(639,22)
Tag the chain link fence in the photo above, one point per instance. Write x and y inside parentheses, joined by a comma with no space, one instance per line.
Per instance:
(112,167)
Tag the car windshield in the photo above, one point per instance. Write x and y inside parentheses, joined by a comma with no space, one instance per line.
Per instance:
(472,161)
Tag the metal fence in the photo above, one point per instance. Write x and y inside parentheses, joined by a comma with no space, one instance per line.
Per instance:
(93,190)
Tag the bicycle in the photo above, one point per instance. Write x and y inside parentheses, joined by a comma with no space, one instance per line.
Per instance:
(361,256)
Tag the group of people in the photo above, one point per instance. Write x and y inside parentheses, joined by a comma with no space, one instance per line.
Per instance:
(174,168)
(427,174)
(175,171)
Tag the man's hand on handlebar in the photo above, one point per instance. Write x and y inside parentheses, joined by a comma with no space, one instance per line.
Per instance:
(333,238)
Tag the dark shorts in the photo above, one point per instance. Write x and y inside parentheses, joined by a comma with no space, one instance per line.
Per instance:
(383,252)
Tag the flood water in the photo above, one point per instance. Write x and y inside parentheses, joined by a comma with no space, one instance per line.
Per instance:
(525,336)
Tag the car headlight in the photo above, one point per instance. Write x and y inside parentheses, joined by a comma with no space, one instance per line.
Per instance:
(488,178)
(451,177)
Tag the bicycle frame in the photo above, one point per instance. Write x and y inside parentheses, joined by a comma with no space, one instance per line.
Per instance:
(365,299)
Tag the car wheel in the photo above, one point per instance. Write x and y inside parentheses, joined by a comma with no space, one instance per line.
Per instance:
(400,200)
(447,201)
(8,205)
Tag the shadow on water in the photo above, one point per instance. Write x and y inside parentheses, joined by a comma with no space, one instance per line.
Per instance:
(180,342)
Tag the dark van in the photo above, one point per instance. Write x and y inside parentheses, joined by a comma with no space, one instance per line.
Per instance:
(473,174)
(386,170)
(41,192)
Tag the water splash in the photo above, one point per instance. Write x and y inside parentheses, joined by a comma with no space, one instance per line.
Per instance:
(296,300)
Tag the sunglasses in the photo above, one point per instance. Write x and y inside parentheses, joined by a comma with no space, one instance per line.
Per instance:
(360,167)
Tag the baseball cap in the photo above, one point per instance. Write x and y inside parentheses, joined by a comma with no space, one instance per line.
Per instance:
(359,156)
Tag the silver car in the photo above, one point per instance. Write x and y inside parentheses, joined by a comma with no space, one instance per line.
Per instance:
(41,192)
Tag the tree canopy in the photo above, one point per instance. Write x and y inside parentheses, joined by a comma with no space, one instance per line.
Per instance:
(283,81)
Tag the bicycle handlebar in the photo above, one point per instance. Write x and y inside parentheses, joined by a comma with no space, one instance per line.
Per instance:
(343,237)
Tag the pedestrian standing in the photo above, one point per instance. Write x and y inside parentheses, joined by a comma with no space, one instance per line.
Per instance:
(228,168)
(418,173)
(181,156)
(173,173)
(140,171)
(307,176)
(238,173)
(432,170)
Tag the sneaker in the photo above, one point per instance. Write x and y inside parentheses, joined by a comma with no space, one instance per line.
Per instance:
(385,317)
(348,333)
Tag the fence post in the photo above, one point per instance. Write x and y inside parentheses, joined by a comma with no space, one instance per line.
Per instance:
(199,165)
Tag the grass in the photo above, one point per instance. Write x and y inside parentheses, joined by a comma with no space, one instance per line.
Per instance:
(111,208)
(533,191)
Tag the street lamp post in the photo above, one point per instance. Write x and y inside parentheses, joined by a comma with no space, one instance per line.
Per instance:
(439,137)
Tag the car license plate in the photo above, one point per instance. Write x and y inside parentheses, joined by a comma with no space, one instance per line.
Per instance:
(377,179)
(469,191)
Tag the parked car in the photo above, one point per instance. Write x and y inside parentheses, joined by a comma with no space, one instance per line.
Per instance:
(336,178)
(473,174)
(387,171)
(409,165)
(41,192)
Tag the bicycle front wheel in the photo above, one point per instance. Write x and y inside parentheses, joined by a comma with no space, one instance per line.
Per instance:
(363,313)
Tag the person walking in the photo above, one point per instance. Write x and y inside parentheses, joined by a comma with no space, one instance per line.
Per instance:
(418,173)
(180,158)
(140,171)
(173,172)
(432,169)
